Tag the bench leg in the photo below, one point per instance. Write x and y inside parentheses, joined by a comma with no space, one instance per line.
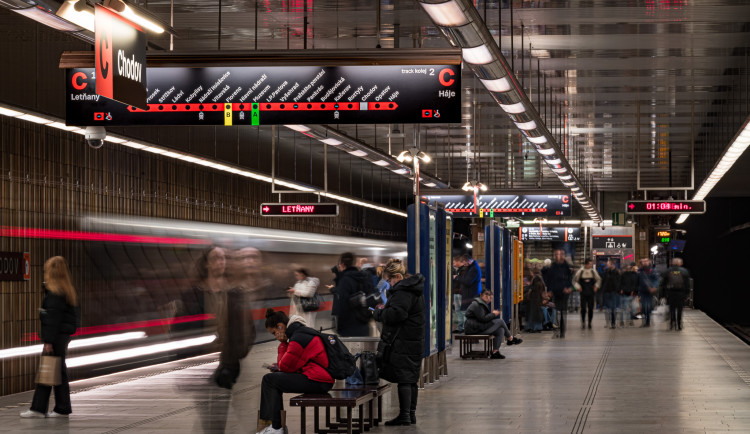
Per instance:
(348,420)
(316,418)
(303,423)
(370,420)
(380,410)
(361,419)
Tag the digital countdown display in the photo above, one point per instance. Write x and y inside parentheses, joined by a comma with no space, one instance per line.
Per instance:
(506,205)
(665,207)
(299,209)
(275,95)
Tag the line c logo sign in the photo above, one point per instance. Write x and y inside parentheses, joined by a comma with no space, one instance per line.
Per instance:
(444,77)
(79,81)
(565,199)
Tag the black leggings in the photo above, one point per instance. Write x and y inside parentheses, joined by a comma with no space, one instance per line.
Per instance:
(40,402)
(275,384)
(587,303)
(407,397)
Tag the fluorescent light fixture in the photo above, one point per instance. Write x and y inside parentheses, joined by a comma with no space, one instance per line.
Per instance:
(138,351)
(469,246)
(430,184)
(530,125)
(546,151)
(35,119)
(381,163)
(569,184)
(331,141)
(8,112)
(162,151)
(134,15)
(576,188)
(554,161)
(401,171)
(681,218)
(538,141)
(566,177)
(447,14)
(298,128)
(514,108)
(477,55)
(62,126)
(358,153)
(496,85)
(560,170)
(48,19)
(135,145)
(113,139)
(83,17)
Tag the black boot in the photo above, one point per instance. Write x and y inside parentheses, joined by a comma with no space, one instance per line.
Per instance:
(404,405)
(401,419)
(413,406)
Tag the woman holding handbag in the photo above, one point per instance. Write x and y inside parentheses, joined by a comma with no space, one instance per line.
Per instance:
(59,317)
(401,346)
(304,293)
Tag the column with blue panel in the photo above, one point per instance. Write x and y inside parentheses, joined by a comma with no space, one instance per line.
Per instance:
(422,239)
(507,263)
(493,267)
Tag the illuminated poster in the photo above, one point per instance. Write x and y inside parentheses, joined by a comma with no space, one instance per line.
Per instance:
(433,282)
(274,95)
(448,280)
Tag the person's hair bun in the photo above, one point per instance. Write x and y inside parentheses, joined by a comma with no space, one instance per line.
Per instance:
(270,312)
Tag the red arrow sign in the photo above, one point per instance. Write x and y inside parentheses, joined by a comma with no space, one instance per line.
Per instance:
(266,209)
(631,206)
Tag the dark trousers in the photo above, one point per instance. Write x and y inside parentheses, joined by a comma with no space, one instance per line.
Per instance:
(275,384)
(675,315)
(587,307)
(407,398)
(40,402)
(561,303)
(498,328)
(611,302)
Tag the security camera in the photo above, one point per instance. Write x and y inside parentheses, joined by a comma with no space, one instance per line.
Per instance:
(95,136)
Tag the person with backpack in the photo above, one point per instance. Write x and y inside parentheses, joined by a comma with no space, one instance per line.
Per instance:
(401,346)
(676,284)
(60,317)
(587,282)
(350,300)
(302,366)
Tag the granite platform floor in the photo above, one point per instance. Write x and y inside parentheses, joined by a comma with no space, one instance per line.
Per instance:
(628,380)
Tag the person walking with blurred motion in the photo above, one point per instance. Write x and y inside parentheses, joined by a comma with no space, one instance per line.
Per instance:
(534,314)
(587,282)
(611,290)
(349,281)
(559,280)
(60,318)
(676,285)
(648,282)
(306,287)
(300,367)
(402,343)
(481,321)
(628,288)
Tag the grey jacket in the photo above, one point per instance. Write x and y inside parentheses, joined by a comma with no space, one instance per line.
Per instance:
(478,317)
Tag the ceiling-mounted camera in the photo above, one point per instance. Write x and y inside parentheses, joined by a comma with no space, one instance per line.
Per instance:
(95,136)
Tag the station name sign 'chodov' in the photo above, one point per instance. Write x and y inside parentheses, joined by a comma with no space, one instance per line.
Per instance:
(271,95)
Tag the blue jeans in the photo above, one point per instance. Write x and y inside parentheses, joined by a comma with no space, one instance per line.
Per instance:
(647,305)
(611,301)
(625,301)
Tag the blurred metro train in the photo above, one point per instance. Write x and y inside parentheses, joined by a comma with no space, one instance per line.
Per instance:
(135,269)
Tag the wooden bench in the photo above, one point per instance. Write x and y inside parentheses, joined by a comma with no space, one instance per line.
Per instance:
(349,398)
(465,346)
(377,390)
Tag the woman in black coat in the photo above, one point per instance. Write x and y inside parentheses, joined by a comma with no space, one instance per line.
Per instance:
(401,345)
(59,318)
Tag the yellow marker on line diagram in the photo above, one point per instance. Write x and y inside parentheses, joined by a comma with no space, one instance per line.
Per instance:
(227,115)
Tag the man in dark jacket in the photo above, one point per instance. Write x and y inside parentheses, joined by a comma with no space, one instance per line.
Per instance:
(349,281)
(675,283)
(628,288)
(469,279)
(611,290)
(402,342)
(558,279)
(481,321)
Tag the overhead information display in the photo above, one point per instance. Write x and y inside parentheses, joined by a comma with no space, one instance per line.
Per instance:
(254,95)
(508,205)
(665,207)
(534,233)
(299,209)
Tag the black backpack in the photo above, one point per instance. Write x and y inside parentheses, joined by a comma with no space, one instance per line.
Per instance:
(341,363)
(675,280)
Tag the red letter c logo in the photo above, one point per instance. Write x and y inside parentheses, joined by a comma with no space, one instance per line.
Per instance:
(79,85)
(446,82)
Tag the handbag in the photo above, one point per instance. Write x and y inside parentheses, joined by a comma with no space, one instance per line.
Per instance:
(385,348)
(49,372)
(368,367)
(310,304)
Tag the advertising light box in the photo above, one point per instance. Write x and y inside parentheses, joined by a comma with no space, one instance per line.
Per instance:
(506,205)
(562,234)
(273,95)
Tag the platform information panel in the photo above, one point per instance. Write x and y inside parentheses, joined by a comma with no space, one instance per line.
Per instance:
(562,234)
(253,95)
(299,209)
(507,205)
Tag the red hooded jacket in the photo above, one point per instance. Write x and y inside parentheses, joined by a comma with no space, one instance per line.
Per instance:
(305,354)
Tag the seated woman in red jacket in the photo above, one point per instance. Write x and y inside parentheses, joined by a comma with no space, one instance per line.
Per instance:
(301,367)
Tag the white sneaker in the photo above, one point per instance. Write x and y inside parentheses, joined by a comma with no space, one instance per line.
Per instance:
(271,430)
(31,414)
(56,414)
